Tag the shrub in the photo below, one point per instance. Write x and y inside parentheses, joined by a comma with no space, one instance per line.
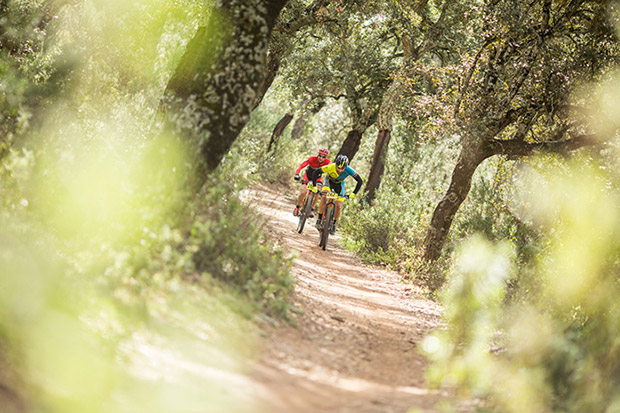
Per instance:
(227,242)
(554,345)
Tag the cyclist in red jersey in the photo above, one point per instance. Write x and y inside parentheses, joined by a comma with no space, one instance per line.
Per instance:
(313,173)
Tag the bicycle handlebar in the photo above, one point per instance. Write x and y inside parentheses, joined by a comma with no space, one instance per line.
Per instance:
(310,186)
(329,194)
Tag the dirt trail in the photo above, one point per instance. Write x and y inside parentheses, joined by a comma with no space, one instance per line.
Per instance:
(355,347)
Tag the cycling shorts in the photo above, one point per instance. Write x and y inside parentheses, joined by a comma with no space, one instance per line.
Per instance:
(337,187)
(312,175)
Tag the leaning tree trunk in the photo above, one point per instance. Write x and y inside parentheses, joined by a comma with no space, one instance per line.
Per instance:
(378,163)
(470,158)
(298,126)
(351,143)
(302,119)
(209,97)
(272,68)
(384,124)
(362,119)
(278,131)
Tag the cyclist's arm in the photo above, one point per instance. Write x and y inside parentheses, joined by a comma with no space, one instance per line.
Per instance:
(302,166)
(329,168)
(359,182)
(357,177)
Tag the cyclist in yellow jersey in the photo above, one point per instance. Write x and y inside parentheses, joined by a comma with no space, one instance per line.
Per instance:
(337,172)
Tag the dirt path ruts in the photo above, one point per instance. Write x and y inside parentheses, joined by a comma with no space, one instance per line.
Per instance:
(355,347)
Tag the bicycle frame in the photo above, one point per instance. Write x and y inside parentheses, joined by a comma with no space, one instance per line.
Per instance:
(328,216)
(307,205)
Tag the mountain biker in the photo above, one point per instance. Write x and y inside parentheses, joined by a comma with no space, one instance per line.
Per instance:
(313,173)
(337,172)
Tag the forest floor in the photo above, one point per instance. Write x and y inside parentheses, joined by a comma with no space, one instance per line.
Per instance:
(356,344)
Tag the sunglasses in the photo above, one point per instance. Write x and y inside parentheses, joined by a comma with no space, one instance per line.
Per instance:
(321,156)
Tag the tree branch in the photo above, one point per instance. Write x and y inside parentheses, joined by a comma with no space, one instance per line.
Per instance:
(517,148)
(467,81)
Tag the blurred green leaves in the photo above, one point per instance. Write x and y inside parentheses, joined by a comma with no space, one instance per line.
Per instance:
(554,346)
(108,190)
(105,305)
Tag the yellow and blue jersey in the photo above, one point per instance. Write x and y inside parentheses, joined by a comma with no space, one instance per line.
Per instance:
(330,170)
(338,179)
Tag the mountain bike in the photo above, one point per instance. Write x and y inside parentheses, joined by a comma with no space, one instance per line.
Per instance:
(306,208)
(328,218)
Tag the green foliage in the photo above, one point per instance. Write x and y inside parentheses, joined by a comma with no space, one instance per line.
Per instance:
(556,340)
(351,59)
(279,166)
(392,229)
(30,79)
(221,246)
(227,244)
(111,273)
(250,149)
(380,234)
(490,210)
(92,330)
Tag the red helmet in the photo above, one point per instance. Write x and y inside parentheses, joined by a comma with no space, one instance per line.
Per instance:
(323,151)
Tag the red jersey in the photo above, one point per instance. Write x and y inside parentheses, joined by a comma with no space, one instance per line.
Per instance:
(312,162)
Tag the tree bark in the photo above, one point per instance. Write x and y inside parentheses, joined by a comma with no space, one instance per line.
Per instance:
(351,144)
(278,130)
(302,118)
(378,163)
(281,43)
(273,66)
(209,97)
(384,123)
(470,158)
(298,126)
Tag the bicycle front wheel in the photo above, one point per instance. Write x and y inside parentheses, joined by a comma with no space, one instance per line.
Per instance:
(329,217)
(304,213)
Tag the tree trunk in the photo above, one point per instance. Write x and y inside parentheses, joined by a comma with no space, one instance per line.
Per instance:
(209,97)
(302,119)
(378,163)
(278,130)
(298,126)
(384,124)
(282,42)
(351,144)
(273,65)
(470,158)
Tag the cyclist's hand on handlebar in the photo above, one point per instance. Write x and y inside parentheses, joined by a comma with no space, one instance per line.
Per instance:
(297,177)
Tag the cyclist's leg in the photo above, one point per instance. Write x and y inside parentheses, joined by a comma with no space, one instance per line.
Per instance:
(319,185)
(302,194)
(338,209)
(315,178)
(321,209)
(323,200)
(322,204)
(340,192)
(303,191)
